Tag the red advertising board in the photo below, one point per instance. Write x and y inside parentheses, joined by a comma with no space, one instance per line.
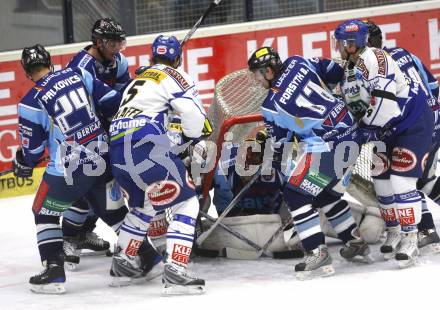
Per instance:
(208,59)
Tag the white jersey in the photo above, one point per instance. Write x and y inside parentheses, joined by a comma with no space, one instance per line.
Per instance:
(151,98)
(377,82)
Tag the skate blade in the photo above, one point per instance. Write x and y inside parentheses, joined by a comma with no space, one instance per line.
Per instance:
(432,248)
(407,263)
(70,266)
(363,259)
(324,271)
(126,281)
(175,290)
(87,252)
(388,256)
(52,288)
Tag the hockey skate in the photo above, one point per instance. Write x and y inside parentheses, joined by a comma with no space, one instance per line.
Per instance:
(177,281)
(50,281)
(92,242)
(428,241)
(408,252)
(317,263)
(71,253)
(128,270)
(389,248)
(357,250)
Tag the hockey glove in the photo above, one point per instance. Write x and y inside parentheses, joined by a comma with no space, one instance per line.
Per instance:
(19,166)
(207,128)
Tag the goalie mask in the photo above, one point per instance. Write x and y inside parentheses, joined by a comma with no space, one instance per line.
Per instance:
(34,56)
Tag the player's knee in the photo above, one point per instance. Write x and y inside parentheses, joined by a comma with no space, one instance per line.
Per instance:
(185,215)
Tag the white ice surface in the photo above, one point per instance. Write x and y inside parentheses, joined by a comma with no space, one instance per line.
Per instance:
(263,284)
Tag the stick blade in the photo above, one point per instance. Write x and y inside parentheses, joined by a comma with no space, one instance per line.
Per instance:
(241,254)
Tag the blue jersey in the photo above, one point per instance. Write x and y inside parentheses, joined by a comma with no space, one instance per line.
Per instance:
(113,73)
(300,102)
(59,112)
(413,68)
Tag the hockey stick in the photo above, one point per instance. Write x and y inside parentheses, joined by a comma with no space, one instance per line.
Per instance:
(213,4)
(286,220)
(2,173)
(234,233)
(234,201)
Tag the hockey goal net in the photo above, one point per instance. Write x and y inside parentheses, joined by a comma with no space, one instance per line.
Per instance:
(236,109)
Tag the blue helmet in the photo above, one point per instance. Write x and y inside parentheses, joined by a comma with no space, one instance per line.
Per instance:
(166,46)
(353,30)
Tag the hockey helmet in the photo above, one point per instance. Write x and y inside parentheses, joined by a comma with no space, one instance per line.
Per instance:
(352,30)
(33,56)
(108,29)
(166,46)
(265,57)
(374,34)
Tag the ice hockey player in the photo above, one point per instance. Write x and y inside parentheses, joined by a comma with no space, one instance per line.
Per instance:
(104,61)
(429,184)
(152,175)
(395,110)
(60,112)
(297,104)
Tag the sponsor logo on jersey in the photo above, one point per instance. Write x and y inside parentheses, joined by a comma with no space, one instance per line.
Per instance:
(381,61)
(158,228)
(361,66)
(162,193)
(88,133)
(133,247)
(380,164)
(126,124)
(309,187)
(181,254)
(177,77)
(403,160)
(152,75)
(406,216)
(388,215)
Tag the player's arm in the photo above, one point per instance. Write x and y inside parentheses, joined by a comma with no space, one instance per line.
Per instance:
(32,122)
(105,99)
(328,70)
(188,106)
(428,79)
(382,90)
